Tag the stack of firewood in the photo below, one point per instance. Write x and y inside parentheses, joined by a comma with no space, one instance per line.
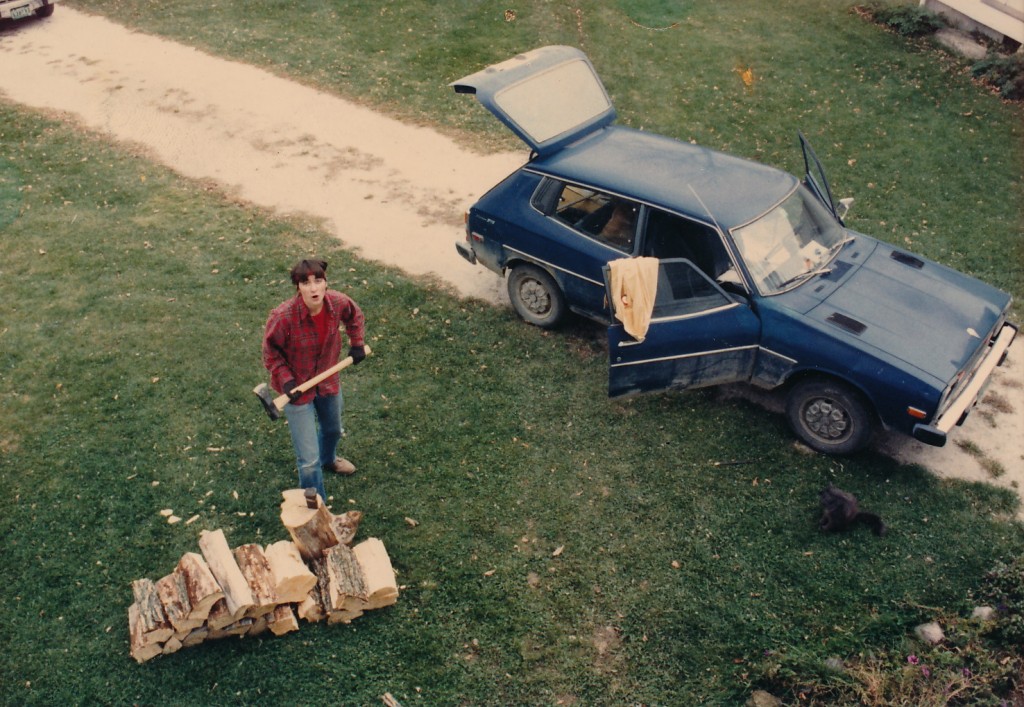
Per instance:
(220,592)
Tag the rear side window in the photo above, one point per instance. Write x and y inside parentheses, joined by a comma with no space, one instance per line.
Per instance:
(609,219)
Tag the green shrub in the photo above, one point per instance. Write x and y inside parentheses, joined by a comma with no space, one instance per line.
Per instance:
(908,20)
(1006,73)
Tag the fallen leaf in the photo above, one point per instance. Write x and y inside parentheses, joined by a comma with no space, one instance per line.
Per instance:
(558,551)
(411,522)
(166,512)
(191,520)
(173,519)
(488,573)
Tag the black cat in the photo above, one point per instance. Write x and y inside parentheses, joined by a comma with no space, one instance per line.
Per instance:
(839,511)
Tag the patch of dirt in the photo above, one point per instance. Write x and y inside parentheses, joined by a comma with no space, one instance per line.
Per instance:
(394,193)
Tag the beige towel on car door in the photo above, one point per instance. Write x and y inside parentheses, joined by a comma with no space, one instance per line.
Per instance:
(634,283)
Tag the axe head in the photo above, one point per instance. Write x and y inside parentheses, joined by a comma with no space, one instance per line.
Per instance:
(267,398)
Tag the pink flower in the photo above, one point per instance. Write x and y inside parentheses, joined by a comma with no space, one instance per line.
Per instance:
(912,659)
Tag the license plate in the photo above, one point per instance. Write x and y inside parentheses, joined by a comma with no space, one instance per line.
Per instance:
(20,12)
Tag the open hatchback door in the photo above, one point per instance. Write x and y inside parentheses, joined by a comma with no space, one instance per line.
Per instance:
(549,97)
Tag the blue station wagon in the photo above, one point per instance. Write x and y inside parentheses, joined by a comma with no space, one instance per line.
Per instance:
(752,275)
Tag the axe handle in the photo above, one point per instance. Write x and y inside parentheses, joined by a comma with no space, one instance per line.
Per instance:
(282,400)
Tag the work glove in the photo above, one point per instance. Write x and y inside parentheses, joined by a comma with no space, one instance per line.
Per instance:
(290,391)
(358,353)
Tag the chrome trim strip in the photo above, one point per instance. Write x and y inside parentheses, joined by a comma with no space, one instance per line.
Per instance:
(552,265)
(682,356)
(776,354)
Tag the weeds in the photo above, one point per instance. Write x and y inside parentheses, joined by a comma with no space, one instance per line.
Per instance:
(906,20)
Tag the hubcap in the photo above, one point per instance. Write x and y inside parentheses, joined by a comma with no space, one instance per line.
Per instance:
(535,296)
(826,419)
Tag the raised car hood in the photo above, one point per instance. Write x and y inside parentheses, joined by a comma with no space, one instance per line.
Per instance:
(925,314)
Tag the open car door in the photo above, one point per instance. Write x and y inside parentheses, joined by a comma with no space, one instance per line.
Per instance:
(698,336)
(548,97)
(817,182)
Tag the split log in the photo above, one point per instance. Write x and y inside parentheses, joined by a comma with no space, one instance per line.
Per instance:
(200,585)
(155,626)
(381,587)
(240,627)
(173,645)
(256,570)
(292,578)
(220,616)
(260,624)
(174,599)
(346,525)
(140,650)
(195,636)
(341,585)
(225,569)
(314,607)
(283,620)
(312,529)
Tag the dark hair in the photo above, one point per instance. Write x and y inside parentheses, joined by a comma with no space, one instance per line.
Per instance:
(306,267)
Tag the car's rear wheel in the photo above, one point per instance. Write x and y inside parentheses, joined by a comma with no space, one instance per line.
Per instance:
(829,417)
(536,296)
(44,11)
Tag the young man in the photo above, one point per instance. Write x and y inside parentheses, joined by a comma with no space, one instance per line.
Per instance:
(301,339)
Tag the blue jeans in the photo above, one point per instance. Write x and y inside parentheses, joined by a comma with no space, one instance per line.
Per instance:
(316,430)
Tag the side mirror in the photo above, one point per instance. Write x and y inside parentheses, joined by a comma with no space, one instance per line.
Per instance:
(844,206)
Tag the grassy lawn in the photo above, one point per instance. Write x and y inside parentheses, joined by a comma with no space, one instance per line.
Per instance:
(569,550)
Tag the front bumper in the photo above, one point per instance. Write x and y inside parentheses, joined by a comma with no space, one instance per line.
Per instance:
(955,414)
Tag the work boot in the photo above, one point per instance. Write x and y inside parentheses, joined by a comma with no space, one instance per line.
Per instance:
(341,466)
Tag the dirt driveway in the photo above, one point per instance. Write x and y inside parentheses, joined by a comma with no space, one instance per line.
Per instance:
(392,192)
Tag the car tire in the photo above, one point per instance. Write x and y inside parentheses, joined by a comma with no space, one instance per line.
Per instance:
(45,11)
(829,416)
(536,296)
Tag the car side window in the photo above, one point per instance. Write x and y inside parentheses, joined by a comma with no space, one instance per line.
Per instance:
(606,218)
(670,236)
(683,290)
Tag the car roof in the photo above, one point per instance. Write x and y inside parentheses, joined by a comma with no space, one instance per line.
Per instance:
(674,175)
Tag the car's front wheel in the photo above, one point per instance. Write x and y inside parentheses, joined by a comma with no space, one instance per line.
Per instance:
(536,296)
(829,417)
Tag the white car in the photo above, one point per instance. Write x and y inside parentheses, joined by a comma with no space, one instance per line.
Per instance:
(20,9)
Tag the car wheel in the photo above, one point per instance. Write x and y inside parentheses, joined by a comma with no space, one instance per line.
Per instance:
(44,11)
(829,417)
(536,296)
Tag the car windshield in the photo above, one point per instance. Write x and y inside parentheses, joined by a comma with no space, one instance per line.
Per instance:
(791,243)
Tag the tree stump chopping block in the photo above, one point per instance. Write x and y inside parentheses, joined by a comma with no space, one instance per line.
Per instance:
(313,530)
